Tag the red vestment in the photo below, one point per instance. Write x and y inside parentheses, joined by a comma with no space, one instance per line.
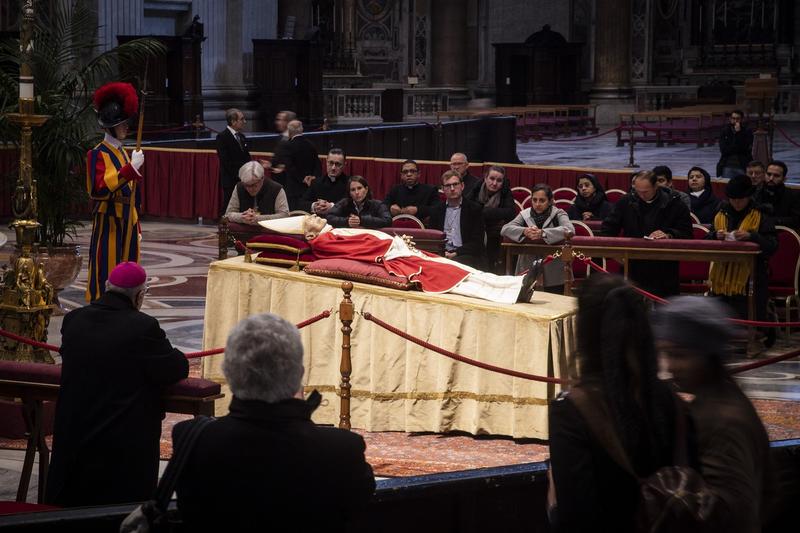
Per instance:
(433,276)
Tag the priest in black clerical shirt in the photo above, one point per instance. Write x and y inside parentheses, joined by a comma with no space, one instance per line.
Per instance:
(411,197)
(326,191)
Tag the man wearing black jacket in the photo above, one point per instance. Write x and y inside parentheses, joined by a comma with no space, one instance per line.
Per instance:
(773,191)
(232,153)
(300,167)
(653,213)
(411,197)
(116,361)
(329,189)
(462,223)
(735,147)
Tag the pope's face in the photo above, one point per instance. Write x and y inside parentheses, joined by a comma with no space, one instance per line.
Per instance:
(312,226)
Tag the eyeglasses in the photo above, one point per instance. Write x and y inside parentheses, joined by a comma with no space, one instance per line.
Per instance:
(335,164)
(451,185)
(409,171)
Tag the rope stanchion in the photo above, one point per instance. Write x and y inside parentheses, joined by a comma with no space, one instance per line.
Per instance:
(189,355)
(460,358)
(25,340)
(786,135)
(595,136)
(764,362)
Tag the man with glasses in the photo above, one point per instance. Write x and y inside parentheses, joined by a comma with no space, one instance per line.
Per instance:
(256,198)
(326,191)
(462,223)
(785,202)
(460,164)
(116,361)
(756,172)
(735,146)
(411,197)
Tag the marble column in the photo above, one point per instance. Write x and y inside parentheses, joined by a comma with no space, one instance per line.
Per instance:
(448,54)
(612,59)
(227,62)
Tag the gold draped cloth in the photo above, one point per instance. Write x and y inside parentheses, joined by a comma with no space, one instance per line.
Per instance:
(398,385)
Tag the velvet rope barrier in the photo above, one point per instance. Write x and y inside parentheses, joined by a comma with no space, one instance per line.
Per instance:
(764,362)
(786,135)
(189,355)
(457,357)
(658,299)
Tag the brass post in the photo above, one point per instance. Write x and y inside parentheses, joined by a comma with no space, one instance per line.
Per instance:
(346,312)
(567,257)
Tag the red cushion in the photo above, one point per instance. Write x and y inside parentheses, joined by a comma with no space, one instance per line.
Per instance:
(193,387)
(235,227)
(358,271)
(279,258)
(31,372)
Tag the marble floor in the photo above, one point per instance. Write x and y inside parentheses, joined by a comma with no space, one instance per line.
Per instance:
(603,152)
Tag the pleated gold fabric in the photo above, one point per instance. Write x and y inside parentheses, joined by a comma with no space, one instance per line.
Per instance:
(397,385)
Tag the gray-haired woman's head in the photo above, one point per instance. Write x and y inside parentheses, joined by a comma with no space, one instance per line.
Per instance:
(264,359)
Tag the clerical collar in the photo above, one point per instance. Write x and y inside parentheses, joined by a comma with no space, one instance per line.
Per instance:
(233,131)
(113,141)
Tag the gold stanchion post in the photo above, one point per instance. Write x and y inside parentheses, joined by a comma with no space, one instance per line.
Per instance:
(346,312)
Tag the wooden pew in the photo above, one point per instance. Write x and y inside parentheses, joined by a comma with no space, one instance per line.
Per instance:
(36,383)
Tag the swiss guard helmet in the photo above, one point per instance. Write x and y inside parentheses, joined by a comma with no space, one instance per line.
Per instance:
(115,103)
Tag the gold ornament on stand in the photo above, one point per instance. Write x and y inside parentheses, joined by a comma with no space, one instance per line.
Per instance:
(26,300)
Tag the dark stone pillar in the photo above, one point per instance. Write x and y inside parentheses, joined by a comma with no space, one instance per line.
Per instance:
(612,52)
(448,43)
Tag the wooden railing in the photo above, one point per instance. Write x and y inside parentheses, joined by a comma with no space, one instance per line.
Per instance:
(660,97)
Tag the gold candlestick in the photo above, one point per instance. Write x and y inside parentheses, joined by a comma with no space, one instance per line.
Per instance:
(26,297)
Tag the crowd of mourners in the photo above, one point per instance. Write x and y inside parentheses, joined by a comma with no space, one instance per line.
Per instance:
(620,422)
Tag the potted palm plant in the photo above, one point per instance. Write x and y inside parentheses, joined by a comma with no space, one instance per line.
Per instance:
(67,66)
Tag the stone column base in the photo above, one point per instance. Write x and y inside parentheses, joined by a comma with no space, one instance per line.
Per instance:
(610,103)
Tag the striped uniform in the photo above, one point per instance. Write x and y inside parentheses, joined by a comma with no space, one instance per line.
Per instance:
(115,224)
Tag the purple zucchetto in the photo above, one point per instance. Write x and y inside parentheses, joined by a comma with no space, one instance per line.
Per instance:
(127,275)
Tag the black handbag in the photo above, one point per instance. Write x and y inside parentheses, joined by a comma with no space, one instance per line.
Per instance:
(151,516)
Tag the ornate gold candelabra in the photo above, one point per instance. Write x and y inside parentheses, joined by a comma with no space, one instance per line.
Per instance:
(26,297)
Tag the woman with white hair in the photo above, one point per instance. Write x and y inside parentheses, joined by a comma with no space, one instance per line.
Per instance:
(268,461)
(255,197)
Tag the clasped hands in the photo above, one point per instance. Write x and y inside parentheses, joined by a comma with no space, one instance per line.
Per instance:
(250,216)
(395,210)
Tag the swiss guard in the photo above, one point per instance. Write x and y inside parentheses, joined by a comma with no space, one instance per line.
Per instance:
(111,178)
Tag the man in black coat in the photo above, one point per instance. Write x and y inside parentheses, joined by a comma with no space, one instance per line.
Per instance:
(653,213)
(411,197)
(462,223)
(323,193)
(115,362)
(785,202)
(232,153)
(735,147)
(299,165)
(266,462)
(460,164)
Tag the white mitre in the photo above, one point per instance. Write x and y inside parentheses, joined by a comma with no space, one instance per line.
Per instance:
(289,225)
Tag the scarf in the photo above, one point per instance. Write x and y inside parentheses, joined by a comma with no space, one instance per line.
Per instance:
(488,199)
(538,219)
(728,278)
